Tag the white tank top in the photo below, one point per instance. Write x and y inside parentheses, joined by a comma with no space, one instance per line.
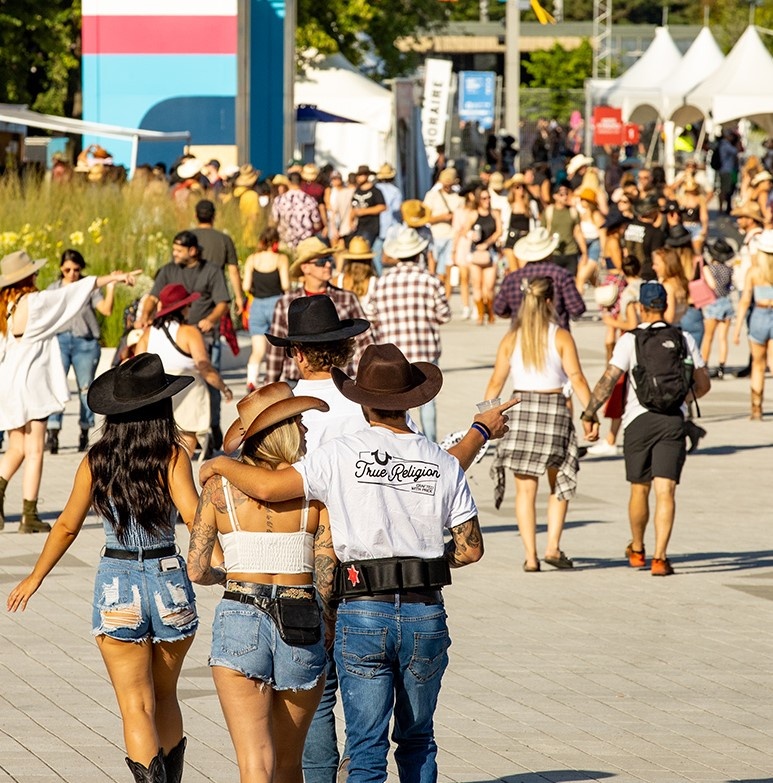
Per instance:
(175,363)
(266,553)
(549,378)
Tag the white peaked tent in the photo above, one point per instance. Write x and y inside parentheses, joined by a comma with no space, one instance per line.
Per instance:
(701,59)
(638,91)
(741,86)
(333,85)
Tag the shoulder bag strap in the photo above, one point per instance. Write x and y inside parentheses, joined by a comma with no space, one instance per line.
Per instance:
(171,340)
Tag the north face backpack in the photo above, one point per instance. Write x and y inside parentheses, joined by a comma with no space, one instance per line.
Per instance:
(664,368)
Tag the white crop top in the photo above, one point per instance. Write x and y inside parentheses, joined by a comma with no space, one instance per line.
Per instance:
(549,378)
(266,553)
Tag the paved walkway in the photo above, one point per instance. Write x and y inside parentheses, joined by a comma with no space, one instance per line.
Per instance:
(598,673)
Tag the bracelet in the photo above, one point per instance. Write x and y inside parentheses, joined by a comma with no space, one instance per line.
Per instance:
(482,429)
(592,418)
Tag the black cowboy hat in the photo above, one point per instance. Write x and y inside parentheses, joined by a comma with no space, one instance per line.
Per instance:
(646,205)
(313,319)
(386,380)
(134,384)
(678,236)
(614,219)
(720,250)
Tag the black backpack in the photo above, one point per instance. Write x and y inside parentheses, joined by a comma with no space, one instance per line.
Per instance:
(664,368)
(715,161)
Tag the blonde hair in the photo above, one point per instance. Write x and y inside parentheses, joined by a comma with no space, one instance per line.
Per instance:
(590,180)
(10,296)
(274,445)
(359,275)
(535,315)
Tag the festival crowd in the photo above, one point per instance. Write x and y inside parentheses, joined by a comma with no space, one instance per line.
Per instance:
(330,515)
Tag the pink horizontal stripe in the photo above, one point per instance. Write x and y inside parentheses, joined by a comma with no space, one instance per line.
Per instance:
(159,35)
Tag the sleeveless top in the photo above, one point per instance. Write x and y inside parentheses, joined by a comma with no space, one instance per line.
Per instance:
(763,293)
(266,284)
(174,360)
(487,226)
(550,377)
(691,214)
(266,553)
(137,537)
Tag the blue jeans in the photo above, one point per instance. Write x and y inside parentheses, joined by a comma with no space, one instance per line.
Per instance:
(320,753)
(378,252)
(391,657)
(83,356)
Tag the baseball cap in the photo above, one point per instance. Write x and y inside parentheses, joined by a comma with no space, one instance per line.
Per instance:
(653,295)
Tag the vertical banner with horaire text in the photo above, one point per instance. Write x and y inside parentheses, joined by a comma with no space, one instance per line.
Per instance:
(434,113)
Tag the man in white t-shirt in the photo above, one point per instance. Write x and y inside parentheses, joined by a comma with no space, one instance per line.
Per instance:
(391,494)
(654,444)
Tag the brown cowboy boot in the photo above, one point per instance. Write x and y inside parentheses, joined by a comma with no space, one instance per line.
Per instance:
(481,311)
(756,406)
(30,521)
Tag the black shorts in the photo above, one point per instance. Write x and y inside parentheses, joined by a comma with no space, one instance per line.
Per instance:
(568,262)
(654,447)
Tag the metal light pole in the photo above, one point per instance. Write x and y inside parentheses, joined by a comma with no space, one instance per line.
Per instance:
(513,70)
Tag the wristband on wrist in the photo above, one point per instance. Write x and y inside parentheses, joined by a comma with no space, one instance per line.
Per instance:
(589,417)
(482,429)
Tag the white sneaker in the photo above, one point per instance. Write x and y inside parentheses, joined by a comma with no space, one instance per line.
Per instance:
(603,449)
(465,314)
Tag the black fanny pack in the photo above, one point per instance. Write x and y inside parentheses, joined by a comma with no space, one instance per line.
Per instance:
(390,575)
(296,619)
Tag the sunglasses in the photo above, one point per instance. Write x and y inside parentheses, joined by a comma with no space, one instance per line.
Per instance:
(321,261)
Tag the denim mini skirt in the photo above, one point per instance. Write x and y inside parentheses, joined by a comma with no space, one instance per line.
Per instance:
(135,600)
(246,639)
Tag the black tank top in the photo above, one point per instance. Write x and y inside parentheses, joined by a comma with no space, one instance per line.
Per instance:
(487,226)
(265,284)
(691,214)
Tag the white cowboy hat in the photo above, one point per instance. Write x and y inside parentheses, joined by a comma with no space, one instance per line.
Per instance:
(765,241)
(18,266)
(189,168)
(537,245)
(763,176)
(577,162)
(407,244)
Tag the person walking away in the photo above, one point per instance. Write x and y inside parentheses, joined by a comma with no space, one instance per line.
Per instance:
(144,611)
(338,203)
(385,181)
(358,275)
(758,289)
(392,559)
(33,384)
(720,313)
(653,420)
(295,214)
(266,278)
(538,358)
(408,307)
(268,645)
(79,346)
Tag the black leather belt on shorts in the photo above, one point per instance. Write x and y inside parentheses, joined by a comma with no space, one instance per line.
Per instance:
(258,594)
(430,597)
(141,554)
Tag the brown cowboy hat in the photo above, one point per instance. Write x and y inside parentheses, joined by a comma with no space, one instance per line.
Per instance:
(386,380)
(314,319)
(415,213)
(264,408)
(174,296)
(309,172)
(751,209)
(18,266)
(358,250)
(308,249)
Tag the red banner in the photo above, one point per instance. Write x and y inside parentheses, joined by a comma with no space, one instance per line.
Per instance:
(630,133)
(607,126)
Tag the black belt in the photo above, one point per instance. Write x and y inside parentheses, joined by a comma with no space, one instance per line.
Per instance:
(235,589)
(430,597)
(141,554)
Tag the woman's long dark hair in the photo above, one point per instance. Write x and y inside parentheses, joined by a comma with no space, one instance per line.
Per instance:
(130,468)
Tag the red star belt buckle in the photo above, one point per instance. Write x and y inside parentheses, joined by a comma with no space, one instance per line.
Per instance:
(353,575)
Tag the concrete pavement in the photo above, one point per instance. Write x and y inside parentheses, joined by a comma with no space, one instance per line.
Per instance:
(598,673)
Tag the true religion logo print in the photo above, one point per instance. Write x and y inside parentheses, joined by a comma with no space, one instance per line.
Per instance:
(380,467)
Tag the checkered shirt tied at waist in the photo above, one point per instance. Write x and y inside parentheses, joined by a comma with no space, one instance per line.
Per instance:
(407,307)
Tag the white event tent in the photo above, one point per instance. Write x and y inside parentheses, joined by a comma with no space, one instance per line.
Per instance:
(638,91)
(740,87)
(334,86)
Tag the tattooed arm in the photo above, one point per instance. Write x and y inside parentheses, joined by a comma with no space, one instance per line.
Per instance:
(600,394)
(325,563)
(204,536)
(466,544)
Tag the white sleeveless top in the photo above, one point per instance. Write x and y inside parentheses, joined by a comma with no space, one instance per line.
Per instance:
(549,378)
(266,553)
(175,363)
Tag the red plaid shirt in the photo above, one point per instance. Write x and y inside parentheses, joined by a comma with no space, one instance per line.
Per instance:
(280,367)
(407,307)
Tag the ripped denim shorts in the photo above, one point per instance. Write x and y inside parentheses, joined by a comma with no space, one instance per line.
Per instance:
(134,600)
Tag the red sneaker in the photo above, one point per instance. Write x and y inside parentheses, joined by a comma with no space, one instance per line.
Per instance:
(635,559)
(662,567)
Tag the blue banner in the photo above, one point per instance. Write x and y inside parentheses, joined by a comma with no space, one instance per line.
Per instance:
(476,97)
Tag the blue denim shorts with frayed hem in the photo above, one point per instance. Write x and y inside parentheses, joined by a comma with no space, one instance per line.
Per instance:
(761,325)
(135,601)
(719,310)
(246,639)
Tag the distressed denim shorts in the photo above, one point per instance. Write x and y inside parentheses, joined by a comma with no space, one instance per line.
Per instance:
(246,639)
(135,601)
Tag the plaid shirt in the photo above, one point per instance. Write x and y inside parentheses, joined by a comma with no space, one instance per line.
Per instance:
(566,298)
(407,306)
(282,368)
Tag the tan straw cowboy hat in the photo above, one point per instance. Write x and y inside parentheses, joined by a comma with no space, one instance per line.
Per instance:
(18,266)
(308,249)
